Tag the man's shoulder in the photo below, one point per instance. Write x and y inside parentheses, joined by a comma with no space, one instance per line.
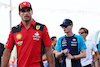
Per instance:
(16,28)
(1,48)
(38,23)
(90,42)
(38,26)
(78,36)
(1,45)
(61,38)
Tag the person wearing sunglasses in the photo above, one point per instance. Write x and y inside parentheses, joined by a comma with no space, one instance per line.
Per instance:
(70,45)
(91,46)
(29,37)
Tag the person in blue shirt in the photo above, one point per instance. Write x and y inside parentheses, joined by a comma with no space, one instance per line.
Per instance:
(58,61)
(99,52)
(70,45)
(99,47)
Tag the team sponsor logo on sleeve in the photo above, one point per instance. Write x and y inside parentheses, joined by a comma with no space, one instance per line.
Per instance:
(18,36)
(37,27)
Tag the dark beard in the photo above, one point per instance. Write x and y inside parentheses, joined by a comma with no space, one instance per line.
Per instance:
(27,21)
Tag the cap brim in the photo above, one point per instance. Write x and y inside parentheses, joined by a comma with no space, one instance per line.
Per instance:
(63,25)
(25,7)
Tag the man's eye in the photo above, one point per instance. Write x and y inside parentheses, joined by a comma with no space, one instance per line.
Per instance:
(28,10)
(23,10)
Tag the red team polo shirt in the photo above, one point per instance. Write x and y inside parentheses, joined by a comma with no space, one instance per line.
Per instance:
(28,43)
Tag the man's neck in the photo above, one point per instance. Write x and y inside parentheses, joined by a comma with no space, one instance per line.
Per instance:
(85,39)
(69,34)
(54,46)
(27,23)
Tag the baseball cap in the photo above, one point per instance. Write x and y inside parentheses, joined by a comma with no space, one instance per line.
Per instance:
(24,4)
(67,22)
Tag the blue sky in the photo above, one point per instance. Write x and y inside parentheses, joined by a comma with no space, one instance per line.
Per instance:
(83,13)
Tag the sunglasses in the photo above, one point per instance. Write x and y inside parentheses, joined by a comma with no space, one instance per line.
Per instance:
(81,32)
(28,10)
(64,26)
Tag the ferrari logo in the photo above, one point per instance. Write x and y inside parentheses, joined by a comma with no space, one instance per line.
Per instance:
(37,27)
(24,3)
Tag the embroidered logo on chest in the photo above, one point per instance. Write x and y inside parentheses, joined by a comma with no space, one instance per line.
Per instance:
(18,36)
(36,36)
(74,42)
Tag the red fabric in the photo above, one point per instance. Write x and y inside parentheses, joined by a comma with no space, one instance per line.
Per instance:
(24,4)
(28,44)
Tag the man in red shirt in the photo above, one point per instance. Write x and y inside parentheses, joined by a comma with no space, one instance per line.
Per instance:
(29,37)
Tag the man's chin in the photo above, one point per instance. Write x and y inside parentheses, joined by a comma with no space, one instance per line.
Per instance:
(26,20)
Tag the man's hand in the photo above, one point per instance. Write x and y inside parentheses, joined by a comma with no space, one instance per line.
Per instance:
(66,51)
(69,56)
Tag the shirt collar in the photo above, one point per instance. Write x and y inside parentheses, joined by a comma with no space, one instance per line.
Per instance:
(33,23)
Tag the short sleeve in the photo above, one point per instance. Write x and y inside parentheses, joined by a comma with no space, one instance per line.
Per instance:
(10,42)
(99,45)
(58,45)
(46,38)
(82,44)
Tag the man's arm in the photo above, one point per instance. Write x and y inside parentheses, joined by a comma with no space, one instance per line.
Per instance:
(82,55)
(96,58)
(5,57)
(69,56)
(79,56)
(44,57)
(50,56)
(58,54)
(61,53)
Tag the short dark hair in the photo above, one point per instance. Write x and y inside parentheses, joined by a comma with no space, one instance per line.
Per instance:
(52,38)
(85,30)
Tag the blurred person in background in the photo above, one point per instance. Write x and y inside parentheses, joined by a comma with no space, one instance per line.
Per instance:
(98,46)
(58,61)
(1,51)
(70,45)
(91,46)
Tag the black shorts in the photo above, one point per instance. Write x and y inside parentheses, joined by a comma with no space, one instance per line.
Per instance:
(87,65)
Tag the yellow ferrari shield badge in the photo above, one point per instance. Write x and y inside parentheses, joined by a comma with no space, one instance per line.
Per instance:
(37,27)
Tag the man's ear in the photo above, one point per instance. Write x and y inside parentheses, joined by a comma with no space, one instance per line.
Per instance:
(19,13)
(86,34)
(32,11)
(71,25)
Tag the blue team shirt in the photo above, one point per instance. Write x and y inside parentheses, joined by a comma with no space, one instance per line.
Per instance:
(75,44)
(99,46)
